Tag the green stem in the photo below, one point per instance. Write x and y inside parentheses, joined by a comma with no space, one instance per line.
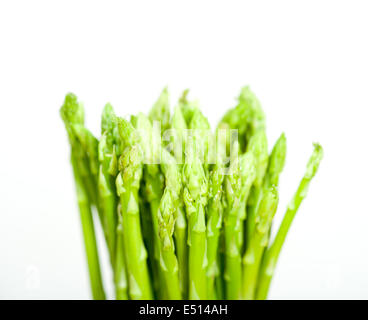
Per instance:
(213,234)
(108,207)
(182,250)
(136,255)
(252,207)
(197,256)
(171,274)
(89,239)
(251,263)
(272,253)
(120,275)
(232,257)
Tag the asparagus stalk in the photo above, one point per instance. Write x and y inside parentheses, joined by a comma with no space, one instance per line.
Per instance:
(153,186)
(106,178)
(256,245)
(258,146)
(127,183)
(258,242)
(167,215)
(276,162)
(214,223)
(238,184)
(120,270)
(168,261)
(180,232)
(195,193)
(195,199)
(247,117)
(187,108)
(161,110)
(72,114)
(108,156)
(272,253)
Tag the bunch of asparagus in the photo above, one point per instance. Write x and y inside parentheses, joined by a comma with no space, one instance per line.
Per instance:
(186,212)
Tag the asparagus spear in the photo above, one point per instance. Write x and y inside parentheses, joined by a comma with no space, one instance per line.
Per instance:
(214,223)
(195,199)
(276,162)
(72,114)
(272,253)
(258,242)
(258,146)
(187,107)
(127,183)
(106,178)
(120,268)
(108,156)
(238,184)
(180,233)
(168,261)
(195,194)
(247,117)
(166,217)
(161,110)
(153,187)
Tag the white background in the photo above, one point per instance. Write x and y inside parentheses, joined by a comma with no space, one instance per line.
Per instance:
(306,61)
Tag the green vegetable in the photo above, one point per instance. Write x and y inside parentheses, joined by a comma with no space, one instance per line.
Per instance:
(238,184)
(258,241)
(84,175)
(272,253)
(186,212)
(127,183)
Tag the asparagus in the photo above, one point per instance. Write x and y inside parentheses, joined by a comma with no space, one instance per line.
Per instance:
(166,217)
(178,134)
(238,184)
(214,223)
(195,198)
(258,146)
(108,157)
(272,253)
(276,162)
(259,240)
(127,183)
(247,117)
(195,194)
(161,110)
(187,107)
(120,269)
(107,174)
(72,114)
(206,225)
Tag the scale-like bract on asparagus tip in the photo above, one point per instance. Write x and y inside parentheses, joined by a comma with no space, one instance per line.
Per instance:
(258,146)
(89,144)
(276,160)
(178,121)
(108,119)
(173,176)
(314,161)
(127,134)
(248,168)
(72,111)
(195,179)
(183,99)
(161,110)
(267,209)
(199,121)
(143,128)
(102,146)
(278,155)
(166,212)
